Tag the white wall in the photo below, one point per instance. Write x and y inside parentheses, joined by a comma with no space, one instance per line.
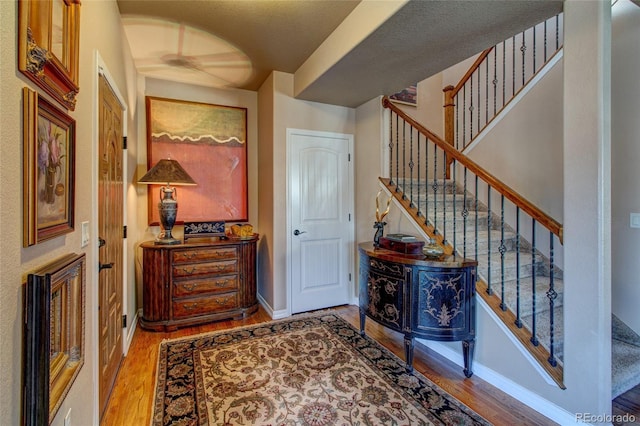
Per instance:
(625,145)
(97,18)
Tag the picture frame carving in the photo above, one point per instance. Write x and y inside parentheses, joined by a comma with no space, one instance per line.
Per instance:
(48,170)
(210,143)
(54,336)
(48,46)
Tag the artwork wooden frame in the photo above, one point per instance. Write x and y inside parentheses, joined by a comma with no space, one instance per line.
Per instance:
(407,96)
(48,170)
(54,336)
(48,46)
(210,142)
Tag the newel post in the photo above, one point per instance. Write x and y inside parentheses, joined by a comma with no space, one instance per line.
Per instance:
(449,120)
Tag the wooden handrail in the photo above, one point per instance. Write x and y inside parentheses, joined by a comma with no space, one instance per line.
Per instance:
(541,217)
(471,70)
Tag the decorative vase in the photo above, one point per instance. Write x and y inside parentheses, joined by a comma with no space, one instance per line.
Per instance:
(49,185)
(433,250)
(379,227)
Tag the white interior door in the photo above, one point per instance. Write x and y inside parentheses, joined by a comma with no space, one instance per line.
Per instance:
(320,225)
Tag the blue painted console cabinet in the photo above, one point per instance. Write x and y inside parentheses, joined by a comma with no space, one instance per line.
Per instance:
(419,297)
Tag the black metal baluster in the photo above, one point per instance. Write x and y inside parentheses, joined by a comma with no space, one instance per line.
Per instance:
(479,104)
(495,79)
(435,189)
(457,123)
(465,213)
(534,336)
(470,109)
(426,180)
(419,182)
(513,66)
(404,159)
(489,290)
(551,295)
(411,165)
(486,95)
(523,49)
(557,32)
(518,321)
(502,249)
(476,227)
(545,40)
(534,50)
(464,116)
(454,189)
(504,72)
(444,198)
(397,154)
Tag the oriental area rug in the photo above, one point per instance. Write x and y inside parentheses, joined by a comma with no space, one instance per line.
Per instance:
(314,370)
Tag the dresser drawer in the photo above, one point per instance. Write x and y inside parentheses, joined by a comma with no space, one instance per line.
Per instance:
(199,255)
(204,305)
(387,268)
(206,268)
(187,287)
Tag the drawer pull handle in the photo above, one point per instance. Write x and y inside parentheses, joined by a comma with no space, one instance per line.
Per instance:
(221,267)
(189,271)
(189,255)
(221,283)
(190,306)
(222,301)
(190,286)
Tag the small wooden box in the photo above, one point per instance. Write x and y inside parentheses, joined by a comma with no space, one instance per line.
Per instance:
(407,247)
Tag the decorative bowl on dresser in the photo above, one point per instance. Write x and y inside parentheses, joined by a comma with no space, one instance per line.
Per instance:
(198,282)
(420,297)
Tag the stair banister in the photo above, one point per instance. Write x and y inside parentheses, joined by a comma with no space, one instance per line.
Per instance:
(453,154)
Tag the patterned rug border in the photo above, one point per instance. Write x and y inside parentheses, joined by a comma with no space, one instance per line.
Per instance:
(303,316)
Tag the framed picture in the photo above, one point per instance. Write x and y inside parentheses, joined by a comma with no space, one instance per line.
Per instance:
(48,170)
(48,37)
(408,96)
(54,329)
(210,142)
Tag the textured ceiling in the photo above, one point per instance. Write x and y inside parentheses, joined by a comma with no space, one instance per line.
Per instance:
(421,39)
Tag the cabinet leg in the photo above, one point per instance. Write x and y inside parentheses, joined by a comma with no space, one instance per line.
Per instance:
(408,351)
(363,318)
(467,352)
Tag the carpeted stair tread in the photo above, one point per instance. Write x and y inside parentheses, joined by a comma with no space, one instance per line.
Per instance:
(625,367)
(622,332)
(526,299)
(543,329)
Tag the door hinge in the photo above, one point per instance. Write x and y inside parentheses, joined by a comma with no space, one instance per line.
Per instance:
(124,321)
(349,157)
(349,217)
(349,276)
(124,231)
(124,142)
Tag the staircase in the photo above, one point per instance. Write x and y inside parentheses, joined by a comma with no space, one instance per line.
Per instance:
(470,212)
(515,278)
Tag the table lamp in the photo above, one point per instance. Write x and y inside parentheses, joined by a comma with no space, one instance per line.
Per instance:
(168,172)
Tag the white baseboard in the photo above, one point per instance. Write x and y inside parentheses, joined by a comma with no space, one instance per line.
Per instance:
(284,313)
(531,399)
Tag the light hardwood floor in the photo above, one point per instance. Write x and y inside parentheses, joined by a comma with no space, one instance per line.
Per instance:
(132,397)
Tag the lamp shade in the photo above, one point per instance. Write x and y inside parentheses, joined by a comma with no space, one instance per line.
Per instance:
(167,171)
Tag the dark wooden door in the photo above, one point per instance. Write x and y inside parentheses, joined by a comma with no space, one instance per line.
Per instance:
(110,229)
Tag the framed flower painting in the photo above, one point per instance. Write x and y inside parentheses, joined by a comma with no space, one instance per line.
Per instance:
(48,170)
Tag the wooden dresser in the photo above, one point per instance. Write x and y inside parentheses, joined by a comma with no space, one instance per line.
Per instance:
(197,282)
(418,297)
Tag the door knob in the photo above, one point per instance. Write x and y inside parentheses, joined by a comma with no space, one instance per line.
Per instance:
(298,232)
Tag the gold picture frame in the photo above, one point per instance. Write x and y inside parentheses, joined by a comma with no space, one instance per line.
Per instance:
(48,41)
(210,142)
(54,336)
(48,170)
